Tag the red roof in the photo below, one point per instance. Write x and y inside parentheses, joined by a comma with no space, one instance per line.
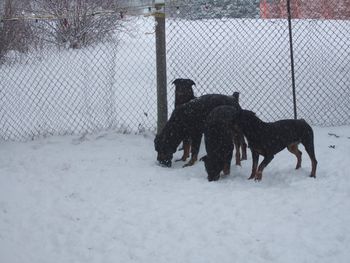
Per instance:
(306,9)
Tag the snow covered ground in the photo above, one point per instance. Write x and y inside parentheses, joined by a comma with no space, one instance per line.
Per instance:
(103,198)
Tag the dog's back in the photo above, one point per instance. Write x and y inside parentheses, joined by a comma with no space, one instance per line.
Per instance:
(273,137)
(199,108)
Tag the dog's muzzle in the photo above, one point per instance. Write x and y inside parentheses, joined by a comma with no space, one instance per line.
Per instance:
(164,159)
(165,163)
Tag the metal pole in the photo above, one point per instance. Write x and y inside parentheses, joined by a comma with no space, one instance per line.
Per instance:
(292,57)
(162,104)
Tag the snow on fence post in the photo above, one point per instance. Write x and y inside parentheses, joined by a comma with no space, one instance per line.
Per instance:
(162,105)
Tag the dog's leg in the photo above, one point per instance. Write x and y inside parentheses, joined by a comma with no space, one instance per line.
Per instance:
(255,157)
(293,148)
(313,169)
(243,147)
(186,153)
(308,142)
(309,147)
(192,161)
(264,163)
(227,168)
(196,142)
(227,164)
(237,145)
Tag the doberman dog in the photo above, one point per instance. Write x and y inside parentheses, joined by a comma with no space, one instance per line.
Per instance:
(267,139)
(183,94)
(187,121)
(221,137)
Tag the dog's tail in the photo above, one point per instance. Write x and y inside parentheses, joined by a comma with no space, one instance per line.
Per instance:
(236,95)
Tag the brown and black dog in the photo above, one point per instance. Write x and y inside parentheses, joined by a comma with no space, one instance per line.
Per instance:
(183,94)
(221,137)
(187,122)
(269,138)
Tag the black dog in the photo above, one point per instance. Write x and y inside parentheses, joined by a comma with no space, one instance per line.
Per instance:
(183,94)
(267,139)
(220,137)
(187,121)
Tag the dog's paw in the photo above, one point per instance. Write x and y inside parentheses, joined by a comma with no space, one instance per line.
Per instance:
(182,159)
(252,176)
(187,164)
(190,163)
(258,177)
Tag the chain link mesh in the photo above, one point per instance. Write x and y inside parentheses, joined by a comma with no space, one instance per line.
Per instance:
(62,90)
(224,46)
(250,53)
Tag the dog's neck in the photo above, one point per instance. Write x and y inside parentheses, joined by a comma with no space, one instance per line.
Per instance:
(173,135)
(251,125)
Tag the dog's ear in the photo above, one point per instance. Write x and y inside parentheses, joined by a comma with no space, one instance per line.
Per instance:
(192,83)
(204,158)
(236,95)
(176,81)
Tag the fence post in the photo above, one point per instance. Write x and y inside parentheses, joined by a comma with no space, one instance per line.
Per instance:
(162,105)
(292,57)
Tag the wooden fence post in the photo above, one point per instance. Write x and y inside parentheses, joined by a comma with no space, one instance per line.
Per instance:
(162,104)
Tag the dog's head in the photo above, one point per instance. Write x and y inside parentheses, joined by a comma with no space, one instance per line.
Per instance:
(169,138)
(183,91)
(164,153)
(213,168)
(184,83)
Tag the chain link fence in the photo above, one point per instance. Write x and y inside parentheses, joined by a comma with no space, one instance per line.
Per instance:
(224,46)
(249,52)
(64,88)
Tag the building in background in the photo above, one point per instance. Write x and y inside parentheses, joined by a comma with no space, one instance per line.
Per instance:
(306,9)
